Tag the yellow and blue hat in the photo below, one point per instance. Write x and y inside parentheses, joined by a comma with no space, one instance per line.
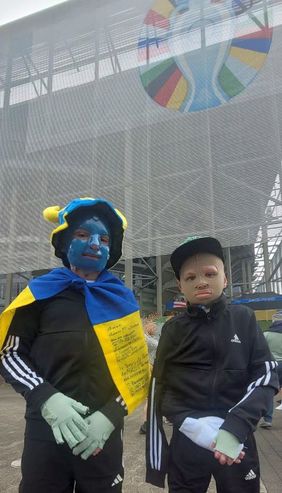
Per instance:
(86,207)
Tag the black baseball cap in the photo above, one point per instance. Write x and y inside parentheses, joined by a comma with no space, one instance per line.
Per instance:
(193,246)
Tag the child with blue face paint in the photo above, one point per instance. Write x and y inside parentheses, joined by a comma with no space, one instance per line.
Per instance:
(64,348)
(89,248)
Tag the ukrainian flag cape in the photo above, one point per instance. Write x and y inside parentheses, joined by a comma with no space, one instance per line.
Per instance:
(115,318)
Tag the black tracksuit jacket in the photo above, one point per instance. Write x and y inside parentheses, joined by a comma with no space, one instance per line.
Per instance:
(208,364)
(52,347)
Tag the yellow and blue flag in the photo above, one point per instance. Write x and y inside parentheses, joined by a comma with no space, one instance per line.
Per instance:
(115,318)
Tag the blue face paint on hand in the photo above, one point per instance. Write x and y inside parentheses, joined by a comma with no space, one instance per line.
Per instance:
(89,247)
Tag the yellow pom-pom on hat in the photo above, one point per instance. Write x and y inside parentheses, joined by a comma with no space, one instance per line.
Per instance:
(52,213)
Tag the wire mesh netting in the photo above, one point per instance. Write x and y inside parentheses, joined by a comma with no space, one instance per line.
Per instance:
(170,109)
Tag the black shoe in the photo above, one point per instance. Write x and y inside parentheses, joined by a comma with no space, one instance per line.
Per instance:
(143,428)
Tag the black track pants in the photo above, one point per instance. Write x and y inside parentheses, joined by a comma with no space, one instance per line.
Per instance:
(191,468)
(51,468)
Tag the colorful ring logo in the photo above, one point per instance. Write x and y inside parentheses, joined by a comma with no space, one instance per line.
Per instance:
(199,54)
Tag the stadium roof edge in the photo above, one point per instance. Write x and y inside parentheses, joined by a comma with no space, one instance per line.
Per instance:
(60,7)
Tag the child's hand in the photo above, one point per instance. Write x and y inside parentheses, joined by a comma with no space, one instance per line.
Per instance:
(202,431)
(99,430)
(224,459)
(150,328)
(227,448)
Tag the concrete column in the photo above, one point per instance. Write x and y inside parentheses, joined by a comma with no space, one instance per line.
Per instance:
(266,266)
(229,272)
(128,272)
(265,257)
(8,289)
(249,275)
(244,275)
(141,301)
(159,285)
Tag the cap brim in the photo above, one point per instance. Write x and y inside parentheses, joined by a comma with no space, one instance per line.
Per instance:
(199,245)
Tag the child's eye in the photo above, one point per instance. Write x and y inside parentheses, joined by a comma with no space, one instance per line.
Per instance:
(105,240)
(211,274)
(81,235)
(190,278)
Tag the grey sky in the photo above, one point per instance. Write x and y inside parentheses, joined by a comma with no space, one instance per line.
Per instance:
(15,9)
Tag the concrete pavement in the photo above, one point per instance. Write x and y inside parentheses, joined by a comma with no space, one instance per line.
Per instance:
(11,443)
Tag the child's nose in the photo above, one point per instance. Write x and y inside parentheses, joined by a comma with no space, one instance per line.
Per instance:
(94,242)
(202,282)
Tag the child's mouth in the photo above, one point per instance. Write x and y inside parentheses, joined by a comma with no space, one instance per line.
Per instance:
(203,293)
(90,255)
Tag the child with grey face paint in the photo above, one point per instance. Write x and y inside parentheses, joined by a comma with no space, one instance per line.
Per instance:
(213,377)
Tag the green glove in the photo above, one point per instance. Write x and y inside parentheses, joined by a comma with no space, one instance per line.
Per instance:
(228,444)
(99,430)
(63,415)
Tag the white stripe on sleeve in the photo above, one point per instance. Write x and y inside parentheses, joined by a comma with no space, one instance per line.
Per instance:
(10,360)
(155,434)
(263,380)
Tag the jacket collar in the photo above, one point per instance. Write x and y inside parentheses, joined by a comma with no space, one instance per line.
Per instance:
(207,311)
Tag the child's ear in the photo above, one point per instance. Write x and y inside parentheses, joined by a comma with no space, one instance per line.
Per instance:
(225,282)
(178,285)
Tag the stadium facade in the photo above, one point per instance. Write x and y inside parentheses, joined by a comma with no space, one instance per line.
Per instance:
(170,109)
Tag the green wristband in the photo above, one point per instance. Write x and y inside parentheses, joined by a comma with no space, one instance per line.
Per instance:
(228,444)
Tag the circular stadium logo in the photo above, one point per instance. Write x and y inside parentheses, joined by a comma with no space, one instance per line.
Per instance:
(199,54)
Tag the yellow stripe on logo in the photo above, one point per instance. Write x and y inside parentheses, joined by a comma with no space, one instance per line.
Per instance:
(163,7)
(178,95)
(252,58)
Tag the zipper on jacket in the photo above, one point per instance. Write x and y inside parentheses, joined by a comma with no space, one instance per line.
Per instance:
(84,376)
(213,386)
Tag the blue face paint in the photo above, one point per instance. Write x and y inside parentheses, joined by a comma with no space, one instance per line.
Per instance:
(89,246)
